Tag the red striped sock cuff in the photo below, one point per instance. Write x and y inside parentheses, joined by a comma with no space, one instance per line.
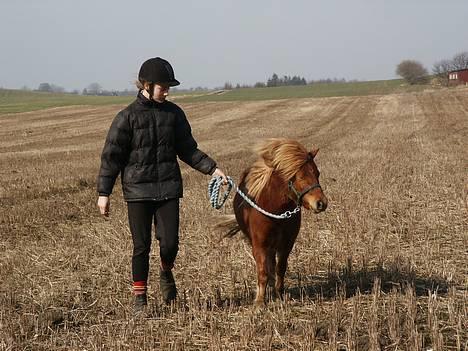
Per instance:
(139,287)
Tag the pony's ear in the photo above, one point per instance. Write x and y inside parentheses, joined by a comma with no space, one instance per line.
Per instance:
(313,153)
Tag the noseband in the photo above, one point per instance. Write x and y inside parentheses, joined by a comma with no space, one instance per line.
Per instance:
(301,194)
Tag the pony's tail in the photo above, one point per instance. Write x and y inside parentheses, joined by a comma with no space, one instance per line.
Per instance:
(229,225)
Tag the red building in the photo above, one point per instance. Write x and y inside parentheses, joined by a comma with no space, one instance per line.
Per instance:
(458,77)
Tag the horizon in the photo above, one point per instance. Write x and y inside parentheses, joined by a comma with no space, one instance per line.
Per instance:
(177,89)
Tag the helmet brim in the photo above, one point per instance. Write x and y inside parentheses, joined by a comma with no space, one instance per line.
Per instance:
(174,83)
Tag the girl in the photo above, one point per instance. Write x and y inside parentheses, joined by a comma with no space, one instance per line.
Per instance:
(143,144)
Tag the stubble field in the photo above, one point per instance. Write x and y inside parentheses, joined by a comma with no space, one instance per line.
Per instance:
(384,268)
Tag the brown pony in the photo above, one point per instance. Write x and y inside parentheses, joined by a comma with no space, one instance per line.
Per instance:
(284,177)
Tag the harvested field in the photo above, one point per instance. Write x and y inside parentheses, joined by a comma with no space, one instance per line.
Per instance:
(384,268)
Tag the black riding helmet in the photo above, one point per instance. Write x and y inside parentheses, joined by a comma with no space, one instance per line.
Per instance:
(157,70)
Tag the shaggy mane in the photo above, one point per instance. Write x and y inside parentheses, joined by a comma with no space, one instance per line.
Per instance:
(282,156)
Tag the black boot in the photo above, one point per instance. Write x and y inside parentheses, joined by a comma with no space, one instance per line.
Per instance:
(140,303)
(168,286)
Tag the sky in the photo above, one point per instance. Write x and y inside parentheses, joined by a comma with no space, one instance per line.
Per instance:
(209,42)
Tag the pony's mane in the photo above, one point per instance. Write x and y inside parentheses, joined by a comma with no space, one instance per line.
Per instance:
(285,157)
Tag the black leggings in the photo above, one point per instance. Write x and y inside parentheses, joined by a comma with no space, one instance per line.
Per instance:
(166,220)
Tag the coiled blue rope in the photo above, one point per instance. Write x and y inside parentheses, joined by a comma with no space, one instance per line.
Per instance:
(213,191)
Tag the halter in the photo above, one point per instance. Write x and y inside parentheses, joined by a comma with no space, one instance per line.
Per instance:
(301,194)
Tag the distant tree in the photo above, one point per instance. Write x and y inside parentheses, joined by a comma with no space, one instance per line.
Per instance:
(200,88)
(460,61)
(227,86)
(441,69)
(328,81)
(296,80)
(273,81)
(75,92)
(45,87)
(286,80)
(84,92)
(412,71)
(259,85)
(94,89)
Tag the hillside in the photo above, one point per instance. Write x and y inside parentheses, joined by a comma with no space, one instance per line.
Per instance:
(12,101)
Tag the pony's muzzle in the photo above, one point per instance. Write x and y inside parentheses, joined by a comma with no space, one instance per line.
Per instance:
(321,205)
(316,203)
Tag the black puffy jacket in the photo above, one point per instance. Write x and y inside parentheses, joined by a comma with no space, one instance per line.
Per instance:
(142,145)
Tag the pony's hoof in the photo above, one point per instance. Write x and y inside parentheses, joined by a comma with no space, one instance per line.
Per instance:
(259,305)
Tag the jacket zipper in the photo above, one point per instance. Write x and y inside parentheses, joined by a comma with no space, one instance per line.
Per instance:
(156,150)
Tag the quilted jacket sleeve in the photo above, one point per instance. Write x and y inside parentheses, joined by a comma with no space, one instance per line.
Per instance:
(187,148)
(114,154)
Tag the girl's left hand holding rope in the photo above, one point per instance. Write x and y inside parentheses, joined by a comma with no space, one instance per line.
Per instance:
(220,173)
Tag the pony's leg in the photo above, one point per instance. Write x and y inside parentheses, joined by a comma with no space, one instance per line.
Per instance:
(271,267)
(281,267)
(260,255)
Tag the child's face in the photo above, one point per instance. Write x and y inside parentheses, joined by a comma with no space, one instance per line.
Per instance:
(160,92)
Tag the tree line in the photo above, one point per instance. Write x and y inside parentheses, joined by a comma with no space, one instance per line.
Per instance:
(286,80)
(415,73)
(441,68)
(91,89)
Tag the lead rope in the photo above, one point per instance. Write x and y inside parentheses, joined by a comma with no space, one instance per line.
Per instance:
(213,193)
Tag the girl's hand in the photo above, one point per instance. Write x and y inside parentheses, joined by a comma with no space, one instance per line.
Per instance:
(104,205)
(220,173)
